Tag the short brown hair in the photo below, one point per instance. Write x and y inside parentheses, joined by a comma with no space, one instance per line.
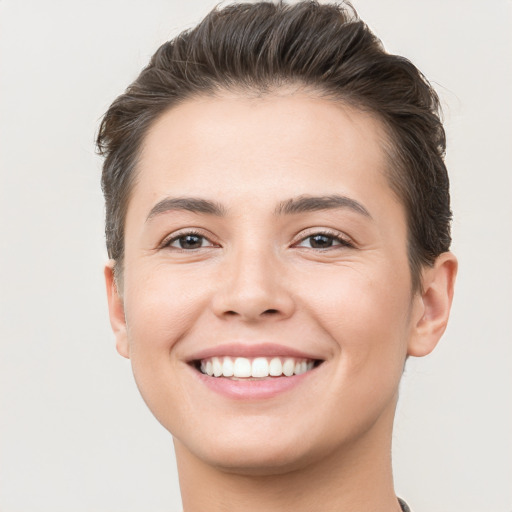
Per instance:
(261,46)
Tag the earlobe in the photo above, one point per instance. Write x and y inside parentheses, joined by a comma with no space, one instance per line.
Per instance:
(116,311)
(435,302)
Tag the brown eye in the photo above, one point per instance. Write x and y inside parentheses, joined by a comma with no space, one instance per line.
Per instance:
(320,241)
(324,241)
(189,241)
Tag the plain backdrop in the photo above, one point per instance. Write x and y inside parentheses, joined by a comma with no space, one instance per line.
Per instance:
(74,432)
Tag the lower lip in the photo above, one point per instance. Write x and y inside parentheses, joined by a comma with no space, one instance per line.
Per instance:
(252,389)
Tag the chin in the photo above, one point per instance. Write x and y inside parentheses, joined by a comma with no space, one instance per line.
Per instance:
(257,460)
(256,451)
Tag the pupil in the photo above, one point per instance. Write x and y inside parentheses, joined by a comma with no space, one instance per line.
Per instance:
(190,242)
(321,241)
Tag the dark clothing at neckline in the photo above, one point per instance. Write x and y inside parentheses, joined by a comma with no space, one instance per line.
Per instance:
(403,505)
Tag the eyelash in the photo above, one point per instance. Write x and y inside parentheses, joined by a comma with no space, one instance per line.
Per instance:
(167,243)
(343,241)
(336,237)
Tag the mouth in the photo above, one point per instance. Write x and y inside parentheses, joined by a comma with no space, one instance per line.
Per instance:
(254,368)
(254,371)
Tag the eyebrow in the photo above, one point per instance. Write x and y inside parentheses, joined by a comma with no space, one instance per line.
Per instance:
(191,204)
(306,203)
(296,205)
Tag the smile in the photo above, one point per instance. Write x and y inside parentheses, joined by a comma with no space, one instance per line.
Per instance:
(254,368)
(253,371)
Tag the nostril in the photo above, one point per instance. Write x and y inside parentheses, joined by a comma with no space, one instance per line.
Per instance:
(270,312)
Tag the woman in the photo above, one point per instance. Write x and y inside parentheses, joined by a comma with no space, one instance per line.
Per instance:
(278,222)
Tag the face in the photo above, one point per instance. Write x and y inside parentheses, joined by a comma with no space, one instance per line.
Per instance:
(267,306)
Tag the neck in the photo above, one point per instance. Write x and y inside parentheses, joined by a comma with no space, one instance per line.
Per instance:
(357,478)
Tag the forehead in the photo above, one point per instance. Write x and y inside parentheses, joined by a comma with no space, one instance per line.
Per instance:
(279,144)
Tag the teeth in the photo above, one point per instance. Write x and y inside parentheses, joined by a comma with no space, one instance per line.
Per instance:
(242,367)
(288,367)
(259,367)
(300,367)
(217,367)
(275,368)
(228,368)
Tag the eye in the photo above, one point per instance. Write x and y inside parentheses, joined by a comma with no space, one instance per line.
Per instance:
(188,242)
(324,241)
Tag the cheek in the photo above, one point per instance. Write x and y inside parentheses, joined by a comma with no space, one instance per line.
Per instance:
(161,305)
(161,308)
(366,317)
(367,321)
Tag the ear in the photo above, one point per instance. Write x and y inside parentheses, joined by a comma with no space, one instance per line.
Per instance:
(432,305)
(116,311)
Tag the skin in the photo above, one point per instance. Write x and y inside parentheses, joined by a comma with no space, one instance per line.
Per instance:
(324,444)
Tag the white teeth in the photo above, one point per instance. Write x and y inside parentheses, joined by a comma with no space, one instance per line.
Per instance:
(259,367)
(242,367)
(217,367)
(228,368)
(275,368)
(288,367)
(300,368)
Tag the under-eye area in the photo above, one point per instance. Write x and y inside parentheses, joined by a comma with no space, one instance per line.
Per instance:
(254,368)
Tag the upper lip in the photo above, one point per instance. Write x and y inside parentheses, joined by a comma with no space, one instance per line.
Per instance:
(252,350)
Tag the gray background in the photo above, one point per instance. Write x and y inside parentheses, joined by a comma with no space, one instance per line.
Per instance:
(74,433)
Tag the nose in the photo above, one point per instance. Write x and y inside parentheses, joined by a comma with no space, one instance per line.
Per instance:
(252,288)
